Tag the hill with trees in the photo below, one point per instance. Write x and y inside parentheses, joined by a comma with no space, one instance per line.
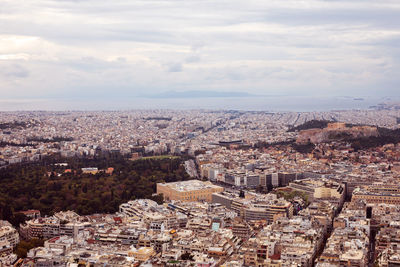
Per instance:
(386,136)
(313,124)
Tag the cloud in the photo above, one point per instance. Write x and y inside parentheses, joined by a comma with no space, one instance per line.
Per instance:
(84,47)
(14,71)
(174,67)
(192,59)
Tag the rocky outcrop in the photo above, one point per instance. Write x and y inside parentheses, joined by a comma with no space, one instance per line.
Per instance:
(336,132)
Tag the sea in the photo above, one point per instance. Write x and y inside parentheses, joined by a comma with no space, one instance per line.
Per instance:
(259,103)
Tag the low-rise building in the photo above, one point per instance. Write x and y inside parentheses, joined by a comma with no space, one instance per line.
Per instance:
(192,190)
(378,193)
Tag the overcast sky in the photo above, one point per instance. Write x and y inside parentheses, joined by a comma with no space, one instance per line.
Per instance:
(105,48)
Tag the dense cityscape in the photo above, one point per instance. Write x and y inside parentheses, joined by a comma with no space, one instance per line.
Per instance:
(199,133)
(256,188)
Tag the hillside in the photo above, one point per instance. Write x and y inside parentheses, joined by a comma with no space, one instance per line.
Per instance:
(313,124)
(386,136)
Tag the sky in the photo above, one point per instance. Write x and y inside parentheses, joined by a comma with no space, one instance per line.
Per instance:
(128,48)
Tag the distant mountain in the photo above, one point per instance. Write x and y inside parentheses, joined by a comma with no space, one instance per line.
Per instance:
(200,94)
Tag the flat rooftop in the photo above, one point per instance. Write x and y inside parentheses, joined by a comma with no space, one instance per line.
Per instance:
(190,185)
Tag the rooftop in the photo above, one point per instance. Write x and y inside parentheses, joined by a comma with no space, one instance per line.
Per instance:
(190,185)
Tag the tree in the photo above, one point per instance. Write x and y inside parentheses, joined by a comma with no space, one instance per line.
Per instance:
(187,256)
(158,198)
(6,212)
(30,187)
(17,219)
(24,246)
